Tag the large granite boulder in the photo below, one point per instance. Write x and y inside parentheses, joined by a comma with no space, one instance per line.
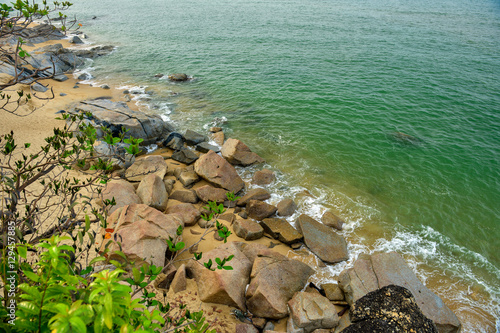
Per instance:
(117,115)
(389,309)
(142,231)
(274,281)
(332,220)
(370,273)
(223,286)
(153,164)
(152,192)
(281,230)
(123,193)
(236,152)
(322,240)
(286,207)
(263,177)
(218,171)
(311,311)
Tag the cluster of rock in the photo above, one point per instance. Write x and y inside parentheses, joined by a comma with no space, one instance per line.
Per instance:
(49,61)
(263,283)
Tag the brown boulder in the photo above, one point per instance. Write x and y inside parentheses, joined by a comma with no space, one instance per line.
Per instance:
(145,166)
(248,229)
(223,286)
(322,240)
(188,196)
(187,212)
(254,194)
(218,171)
(259,210)
(218,137)
(186,176)
(122,191)
(238,153)
(179,282)
(152,192)
(333,291)
(208,193)
(142,231)
(263,177)
(286,207)
(281,230)
(274,280)
(310,311)
(332,220)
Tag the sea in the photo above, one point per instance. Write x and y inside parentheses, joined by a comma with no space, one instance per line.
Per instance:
(385,112)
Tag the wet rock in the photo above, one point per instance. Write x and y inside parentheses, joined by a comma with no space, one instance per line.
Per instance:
(236,152)
(178,77)
(174,141)
(263,177)
(254,194)
(332,220)
(370,273)
(218,138)
(259,210)
(193,138)
(153,164)
(208,193)
(185,156)
(152,192)
(204,147)
(281,230)
(75,40)
(333,291)
(215,129)
(247,229)
(286,207)
(405,139)
(218,171)
(322,240)
(389,309)
(311,311)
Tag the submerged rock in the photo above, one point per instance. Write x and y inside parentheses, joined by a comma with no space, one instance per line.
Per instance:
(405,139)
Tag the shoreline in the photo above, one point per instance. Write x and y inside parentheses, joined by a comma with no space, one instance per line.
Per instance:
(73,96)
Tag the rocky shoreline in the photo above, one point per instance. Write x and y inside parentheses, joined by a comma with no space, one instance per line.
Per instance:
(156,193)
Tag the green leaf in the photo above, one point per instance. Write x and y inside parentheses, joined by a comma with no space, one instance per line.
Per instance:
(96,259)
(78,325)
(228,268)
(22,251)
(32,276)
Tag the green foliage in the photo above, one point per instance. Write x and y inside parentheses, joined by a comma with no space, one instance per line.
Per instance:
(232,197)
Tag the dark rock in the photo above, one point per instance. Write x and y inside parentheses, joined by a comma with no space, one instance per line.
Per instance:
(178,77)
(174,141)
(259,210)
(204,147)
(322,240)
(370,273)
(286,207)
(60,78)
(281,230)
(75,40)
(193,138)
(389,309)
(185,156)
(254,194)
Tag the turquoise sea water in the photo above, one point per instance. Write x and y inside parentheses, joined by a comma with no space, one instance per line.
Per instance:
(318,88)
